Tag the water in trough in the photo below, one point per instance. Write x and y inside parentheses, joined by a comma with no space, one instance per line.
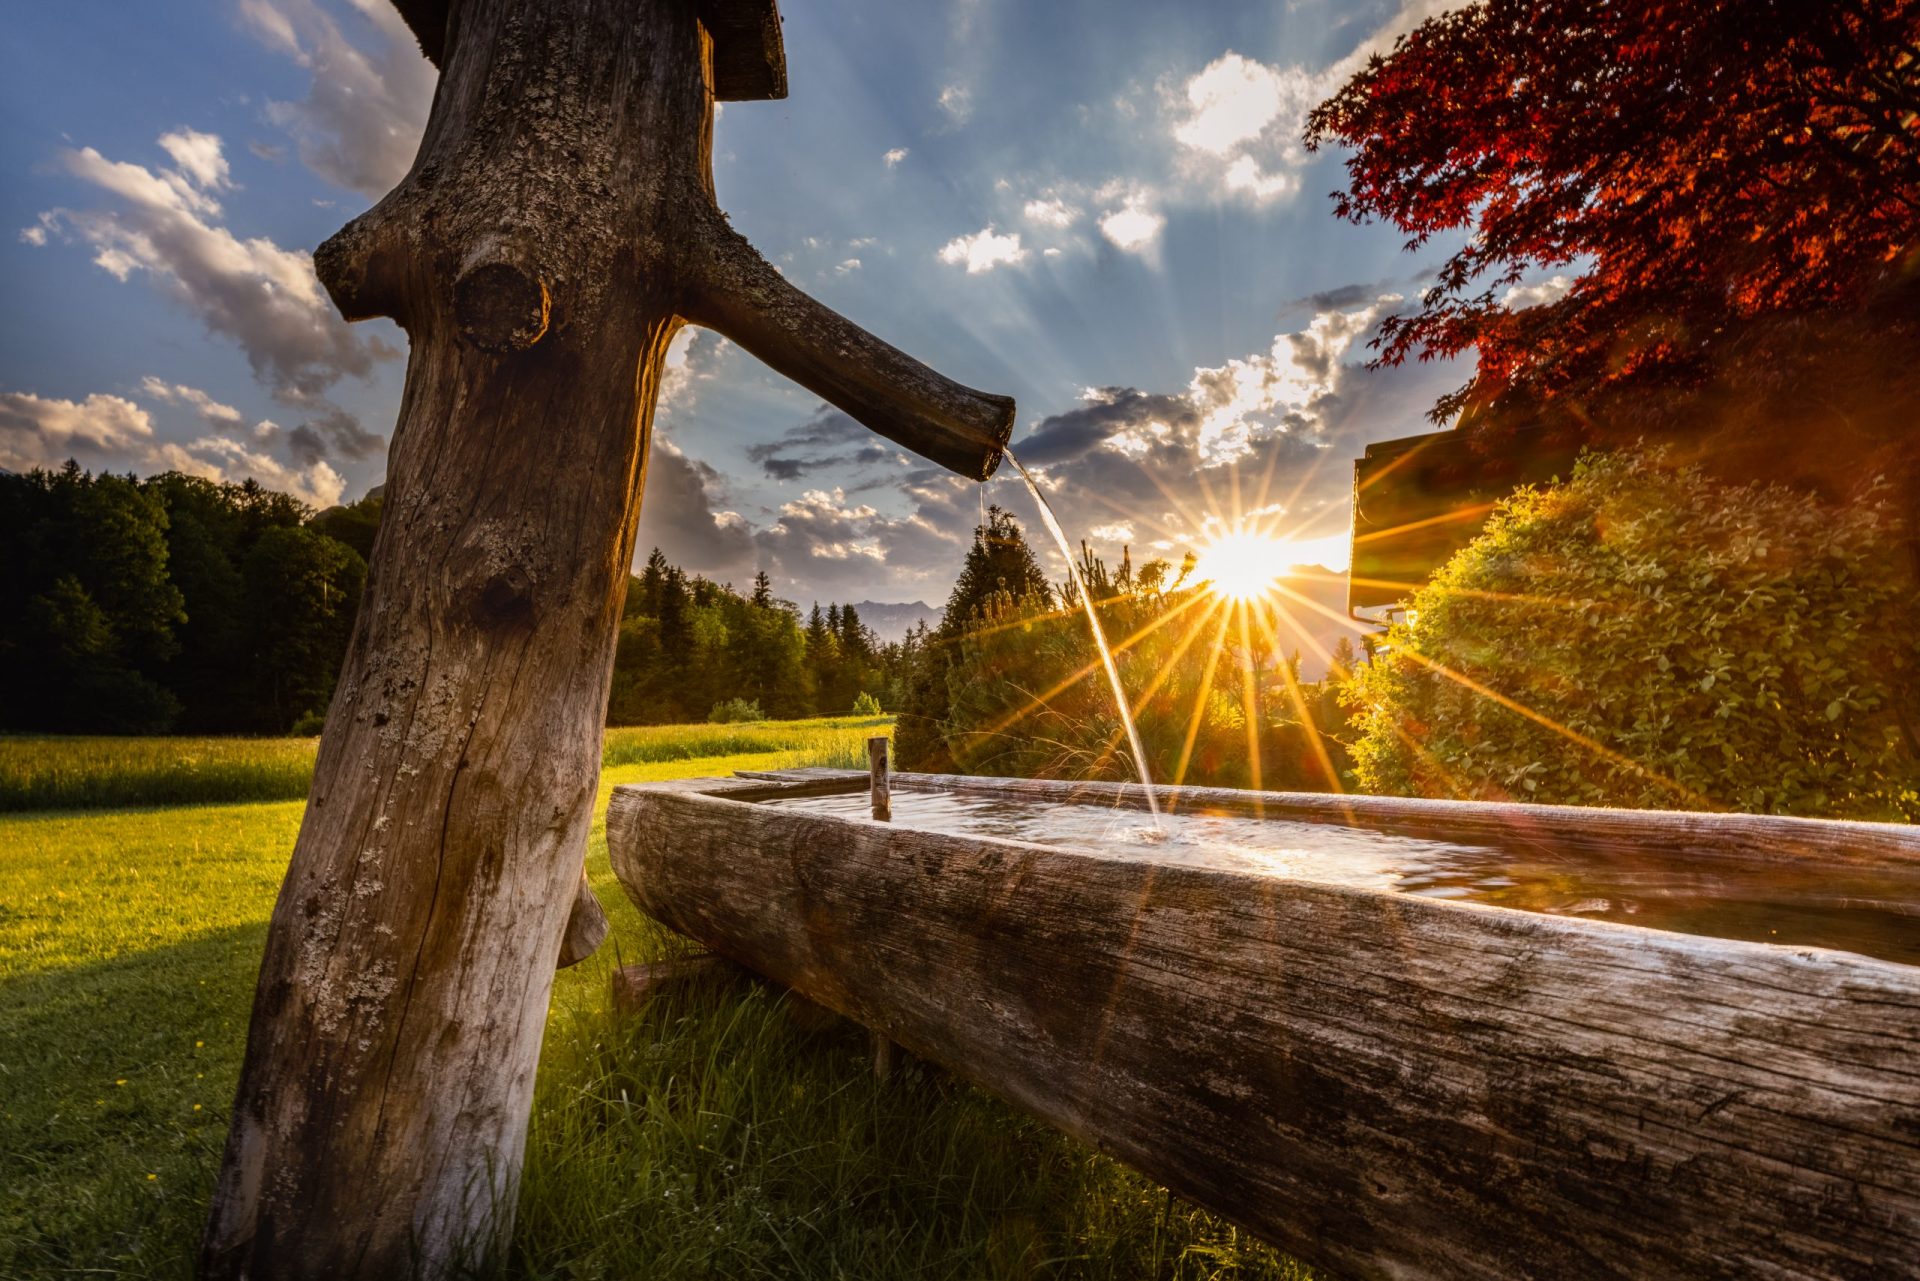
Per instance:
(1871,912)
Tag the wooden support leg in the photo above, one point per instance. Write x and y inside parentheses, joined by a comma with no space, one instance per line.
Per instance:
(886,1055)
(586,925)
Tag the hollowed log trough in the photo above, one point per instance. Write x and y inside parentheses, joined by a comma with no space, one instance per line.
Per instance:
(1381,1084)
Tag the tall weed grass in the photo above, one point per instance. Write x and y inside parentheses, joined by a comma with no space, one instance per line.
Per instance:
(110,773)
(721,1140)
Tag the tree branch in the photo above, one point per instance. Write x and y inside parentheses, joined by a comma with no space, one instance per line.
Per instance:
(738,293)
(363,266)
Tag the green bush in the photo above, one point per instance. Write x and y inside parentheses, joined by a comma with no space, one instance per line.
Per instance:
(1644,636)
(734,710)
(866,705)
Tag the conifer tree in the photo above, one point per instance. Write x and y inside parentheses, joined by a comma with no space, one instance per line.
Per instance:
(999,564)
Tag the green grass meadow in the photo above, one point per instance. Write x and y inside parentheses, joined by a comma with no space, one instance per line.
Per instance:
(95,773)
(710,1137)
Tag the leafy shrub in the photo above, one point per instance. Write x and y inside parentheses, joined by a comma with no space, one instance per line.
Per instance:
(1643,636)
(733,710)
(867,705)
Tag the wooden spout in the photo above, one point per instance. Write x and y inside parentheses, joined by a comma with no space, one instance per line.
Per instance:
(740,294)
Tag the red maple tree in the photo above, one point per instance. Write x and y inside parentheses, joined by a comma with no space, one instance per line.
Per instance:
(1718,179)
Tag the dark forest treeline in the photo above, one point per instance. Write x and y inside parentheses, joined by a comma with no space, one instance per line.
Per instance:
(171,603)
(693,649)
(179,604)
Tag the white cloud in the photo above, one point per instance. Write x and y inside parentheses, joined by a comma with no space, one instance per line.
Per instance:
(1283,390)
(179,393)
(1241,122)
(361,121)
(35,235)
(693,358)
(825,543)
(819,511)
(1246,175)
(895,156)
(1270,435)
(198,156)
(1132,227)
(316,483)
(983,250)
(114,433)
(957,102)
(263,297)
(38,431)
(1051,213)
(682,515)
(840,548)
(1233,100)
(1533,295)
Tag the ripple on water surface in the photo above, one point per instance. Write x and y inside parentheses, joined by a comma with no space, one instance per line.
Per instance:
(1872,912)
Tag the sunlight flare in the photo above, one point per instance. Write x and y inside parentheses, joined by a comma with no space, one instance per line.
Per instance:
(1244,565)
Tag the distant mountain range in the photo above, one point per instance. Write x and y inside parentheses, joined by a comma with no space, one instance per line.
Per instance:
(891,621)
(1299,625)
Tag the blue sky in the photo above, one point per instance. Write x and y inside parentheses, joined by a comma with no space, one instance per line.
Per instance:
(1101,209)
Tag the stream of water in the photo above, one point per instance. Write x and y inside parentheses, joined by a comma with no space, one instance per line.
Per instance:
(1099,636)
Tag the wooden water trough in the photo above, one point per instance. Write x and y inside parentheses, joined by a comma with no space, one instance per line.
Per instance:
(1382,1084)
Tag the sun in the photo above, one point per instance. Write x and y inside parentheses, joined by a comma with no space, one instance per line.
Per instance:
(1243,565)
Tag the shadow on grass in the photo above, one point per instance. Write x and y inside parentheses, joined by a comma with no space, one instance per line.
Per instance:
(117,1077)
(711,1136)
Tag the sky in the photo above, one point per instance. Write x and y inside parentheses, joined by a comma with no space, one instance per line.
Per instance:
(1101,209)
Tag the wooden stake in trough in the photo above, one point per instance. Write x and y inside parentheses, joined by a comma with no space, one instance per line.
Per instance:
(879,778)
(880,797)
(558,226)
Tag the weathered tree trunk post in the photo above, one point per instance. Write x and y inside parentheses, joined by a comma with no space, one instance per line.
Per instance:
(556,229)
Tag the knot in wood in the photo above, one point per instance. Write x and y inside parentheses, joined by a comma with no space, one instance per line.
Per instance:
(500,308)
(506,595)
